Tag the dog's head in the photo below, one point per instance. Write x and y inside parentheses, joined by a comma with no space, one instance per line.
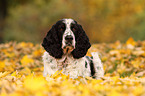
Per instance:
(66,37)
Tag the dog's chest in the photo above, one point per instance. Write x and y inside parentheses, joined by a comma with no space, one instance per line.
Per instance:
(74,67)
(66,64)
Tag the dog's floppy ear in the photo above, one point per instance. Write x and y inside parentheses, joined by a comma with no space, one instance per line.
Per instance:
(82,43)
(52,44)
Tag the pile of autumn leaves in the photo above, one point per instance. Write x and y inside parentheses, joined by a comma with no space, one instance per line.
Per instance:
(21,70)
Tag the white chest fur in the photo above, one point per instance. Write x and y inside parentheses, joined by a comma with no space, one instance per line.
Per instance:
(69,65)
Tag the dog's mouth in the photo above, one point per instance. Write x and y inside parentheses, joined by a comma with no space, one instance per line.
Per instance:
(68,49)
(68,44)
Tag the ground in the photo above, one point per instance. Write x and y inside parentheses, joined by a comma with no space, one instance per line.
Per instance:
(21,70)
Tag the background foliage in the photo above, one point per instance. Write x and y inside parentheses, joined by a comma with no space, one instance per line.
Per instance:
(103,20)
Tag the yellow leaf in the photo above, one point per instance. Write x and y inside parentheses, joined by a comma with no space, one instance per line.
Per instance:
(114,52)
(2,65)
(34,83)
(37,53)
(3,94)
(9,54)
(26,60)
(114,93)
(23,44)
(16,74)
(56,74)
(131,41)
(136,63)
(138,91)
(4,74)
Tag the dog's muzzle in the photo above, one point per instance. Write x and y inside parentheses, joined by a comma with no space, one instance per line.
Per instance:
(68,44)
(68,40)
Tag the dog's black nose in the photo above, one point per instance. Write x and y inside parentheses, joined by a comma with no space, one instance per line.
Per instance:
(69,38)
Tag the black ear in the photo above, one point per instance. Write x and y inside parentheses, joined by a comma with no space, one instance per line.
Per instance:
(82,43)
(52,44)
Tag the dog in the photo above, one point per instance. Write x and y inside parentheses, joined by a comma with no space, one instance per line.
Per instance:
(66,45)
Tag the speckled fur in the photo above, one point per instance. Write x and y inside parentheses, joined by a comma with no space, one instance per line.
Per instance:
(70,59)
(71,66)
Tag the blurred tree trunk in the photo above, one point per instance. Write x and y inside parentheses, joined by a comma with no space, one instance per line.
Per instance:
(3,13)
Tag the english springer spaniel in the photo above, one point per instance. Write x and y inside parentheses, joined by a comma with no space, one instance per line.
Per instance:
(66,45)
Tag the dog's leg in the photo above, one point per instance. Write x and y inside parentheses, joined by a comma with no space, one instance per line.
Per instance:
(47,70)
(49,65)
(99,71)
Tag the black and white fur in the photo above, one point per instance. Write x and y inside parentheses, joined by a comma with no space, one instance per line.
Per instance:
(66,45)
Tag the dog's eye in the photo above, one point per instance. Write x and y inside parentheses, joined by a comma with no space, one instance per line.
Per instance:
(61,28)
(73,28)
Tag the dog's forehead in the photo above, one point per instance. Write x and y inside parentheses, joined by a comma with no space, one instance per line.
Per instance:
(68,21)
